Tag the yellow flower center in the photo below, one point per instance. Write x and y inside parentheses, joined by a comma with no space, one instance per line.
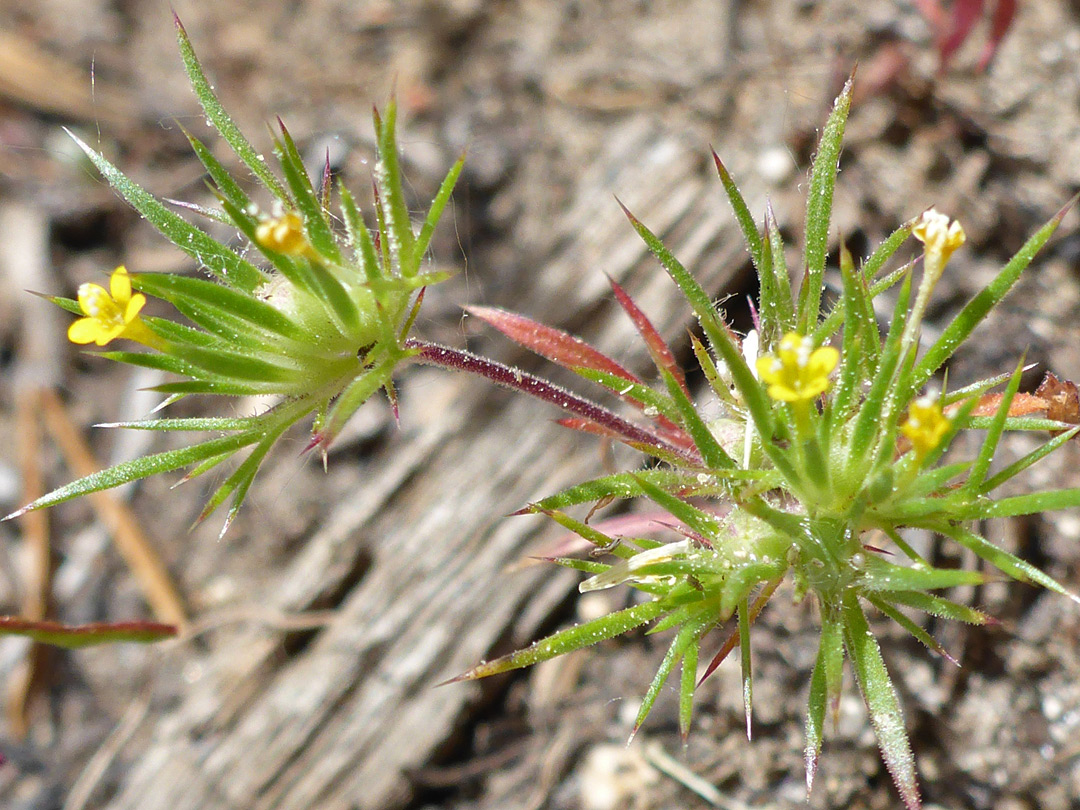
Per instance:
(797,372)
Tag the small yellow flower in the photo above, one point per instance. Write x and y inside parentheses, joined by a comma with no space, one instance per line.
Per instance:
(111,313)
(941,237)
(284,234)
(926,425)
(797,372)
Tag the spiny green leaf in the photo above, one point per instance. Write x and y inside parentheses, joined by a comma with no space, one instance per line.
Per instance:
(220,120)
(570,639)
(819,209)
(862,442)
(396,226)
(745,660)
(139,468)
(881,702)
(1022,464)
(714,456)
(742,213)
(224,181)
(688,636)
(196,243)
(938,606)
(435,211)
(981,467)
(913,629)
(881,575)
(194,423)
(825,683)
(1004,561)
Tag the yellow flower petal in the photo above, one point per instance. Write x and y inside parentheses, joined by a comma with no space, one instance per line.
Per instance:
(134,306)
(120,285)
(84,330)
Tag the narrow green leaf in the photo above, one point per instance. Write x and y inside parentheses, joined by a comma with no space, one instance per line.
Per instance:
(140,468)
(742,213)
(259,316)
(714,456)
(885,251)
(712,374)
(856,334)
(981,466)
(238,483)
(784,306)
(356,231)
(688,636)
(220,120)
(866,434)
(216,387)
(912,628)
(629,485)
(593,535)
(747,666)
(196,243)
(1006,562)
(631,391)
(237,367)
(570,639)
(825,683)
(435,212)
(77,636)
(979,306)
(697,520)
(1029,504)
(938,606)
(154,360)
(224,181)
(819,209)
(881,575)
(687,686)
(880,699)
(194,423)
(1022,464)
(397,228)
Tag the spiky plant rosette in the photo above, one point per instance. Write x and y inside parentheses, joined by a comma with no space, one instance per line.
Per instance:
(829,447)
(316,314)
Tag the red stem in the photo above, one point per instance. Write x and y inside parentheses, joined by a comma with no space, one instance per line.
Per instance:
(459,360)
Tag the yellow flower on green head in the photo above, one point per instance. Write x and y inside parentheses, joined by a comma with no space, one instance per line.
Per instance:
(797,372)
(941,237)
(926,425)
(111,313)
(284,234)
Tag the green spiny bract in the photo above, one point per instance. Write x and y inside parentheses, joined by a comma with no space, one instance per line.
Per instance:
(827,449)
(320,321)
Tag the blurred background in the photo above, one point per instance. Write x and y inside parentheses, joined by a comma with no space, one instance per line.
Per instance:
(321,623)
